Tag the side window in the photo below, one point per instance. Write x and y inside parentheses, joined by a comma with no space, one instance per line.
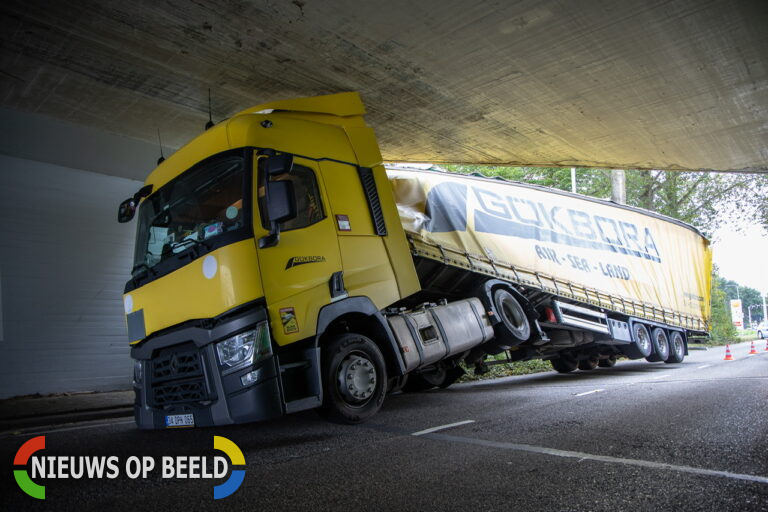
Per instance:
(309,208)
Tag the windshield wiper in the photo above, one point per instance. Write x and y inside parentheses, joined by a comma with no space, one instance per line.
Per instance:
(193,242)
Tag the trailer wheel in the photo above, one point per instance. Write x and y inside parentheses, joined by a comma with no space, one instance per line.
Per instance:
(354,379)
(641,343)
(676,348)
(660,344)
(564,364)
(514,327)
(588,364)
(609,362)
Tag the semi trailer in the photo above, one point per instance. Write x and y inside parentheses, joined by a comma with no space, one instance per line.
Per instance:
(279,267)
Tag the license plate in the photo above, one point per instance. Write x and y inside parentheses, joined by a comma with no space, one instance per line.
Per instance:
(180,420)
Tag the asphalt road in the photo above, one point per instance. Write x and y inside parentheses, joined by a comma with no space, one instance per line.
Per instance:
(639,436)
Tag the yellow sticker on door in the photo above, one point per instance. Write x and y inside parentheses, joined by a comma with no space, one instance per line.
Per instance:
(288,318)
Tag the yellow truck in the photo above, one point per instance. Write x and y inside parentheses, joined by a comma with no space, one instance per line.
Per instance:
(279,267)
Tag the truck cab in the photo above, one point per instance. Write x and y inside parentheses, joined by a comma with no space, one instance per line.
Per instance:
(257,242)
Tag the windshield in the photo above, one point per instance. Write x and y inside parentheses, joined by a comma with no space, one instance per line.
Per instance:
(194,210)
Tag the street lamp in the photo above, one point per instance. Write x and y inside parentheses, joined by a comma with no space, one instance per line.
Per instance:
(749,312)
(737,289)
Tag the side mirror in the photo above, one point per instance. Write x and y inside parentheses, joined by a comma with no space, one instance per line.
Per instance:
(127,210)
(277,164)
(128,207)
(281,201)
(281,206)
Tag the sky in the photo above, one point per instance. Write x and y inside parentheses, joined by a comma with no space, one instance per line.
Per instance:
(742,256)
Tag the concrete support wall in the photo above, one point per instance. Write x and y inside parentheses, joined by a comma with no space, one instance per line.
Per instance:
(64,258)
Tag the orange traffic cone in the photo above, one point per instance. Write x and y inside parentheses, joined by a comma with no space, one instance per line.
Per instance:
(752,351)
(728,356)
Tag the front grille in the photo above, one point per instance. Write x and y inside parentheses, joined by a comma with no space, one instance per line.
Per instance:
(178,376)
(177,365)
(179,392)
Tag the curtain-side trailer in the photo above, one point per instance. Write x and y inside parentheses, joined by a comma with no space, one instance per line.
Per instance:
(280,267)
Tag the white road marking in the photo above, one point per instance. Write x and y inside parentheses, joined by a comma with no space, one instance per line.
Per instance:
(598,458)
(65,429)
(705,366)
(590,392)
(660,376)
(442,427)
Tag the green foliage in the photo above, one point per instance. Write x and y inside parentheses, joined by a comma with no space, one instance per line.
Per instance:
(591,182)
(507,370)
(722,326)
(705,200)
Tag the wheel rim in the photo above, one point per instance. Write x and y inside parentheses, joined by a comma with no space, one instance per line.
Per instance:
(357,378)
(662,345)
(677,345)
(643,340)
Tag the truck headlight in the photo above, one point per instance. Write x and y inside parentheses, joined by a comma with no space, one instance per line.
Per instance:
(245,348)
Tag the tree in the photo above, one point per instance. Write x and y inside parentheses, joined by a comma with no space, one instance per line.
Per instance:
(590,182)
(706,200)
(722,328)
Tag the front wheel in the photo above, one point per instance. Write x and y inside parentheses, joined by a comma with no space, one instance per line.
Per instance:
(354,379)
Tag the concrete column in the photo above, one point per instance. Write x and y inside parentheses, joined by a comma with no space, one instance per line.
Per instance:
(618,186)
(573,180)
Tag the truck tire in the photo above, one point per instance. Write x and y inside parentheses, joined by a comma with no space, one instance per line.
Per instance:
(641,343)
(609,362)
(564,364)
(354,379)
(416,384)
(676,348)
(514,327)
(588,364)
(660,344)
(439,377)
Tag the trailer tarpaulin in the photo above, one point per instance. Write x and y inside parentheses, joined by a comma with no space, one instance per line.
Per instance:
(613,256)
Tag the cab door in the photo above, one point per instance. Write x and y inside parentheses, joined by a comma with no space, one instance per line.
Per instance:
(296,271)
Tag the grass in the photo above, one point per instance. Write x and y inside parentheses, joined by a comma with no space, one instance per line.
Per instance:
(746,335)
(507,370)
